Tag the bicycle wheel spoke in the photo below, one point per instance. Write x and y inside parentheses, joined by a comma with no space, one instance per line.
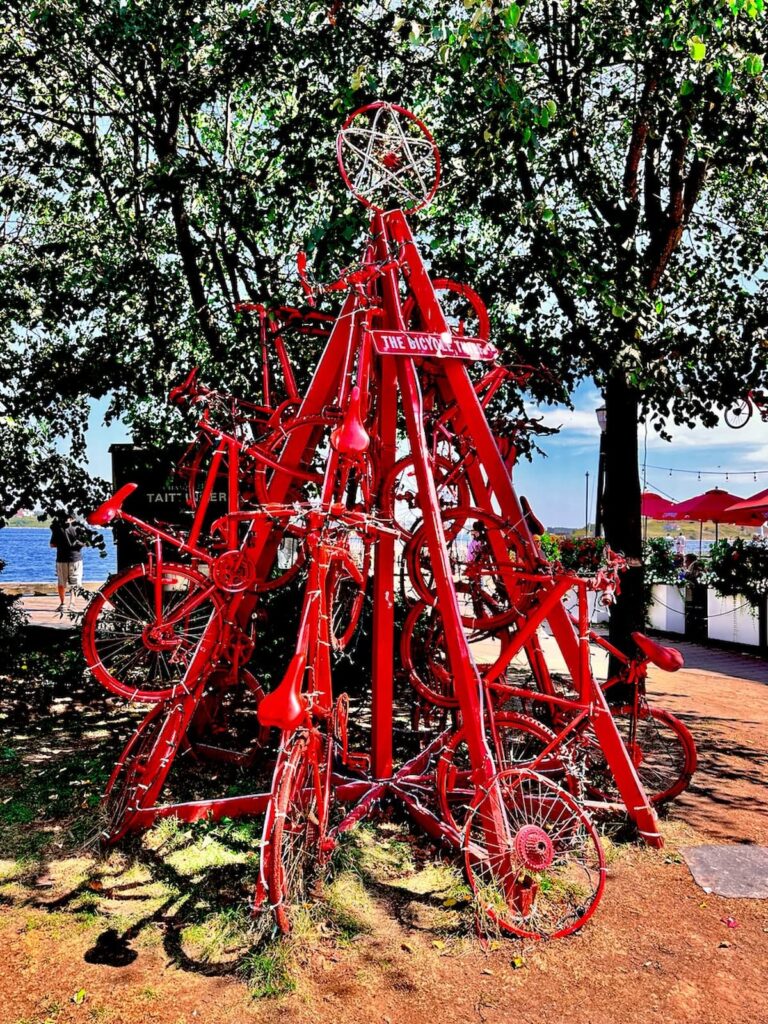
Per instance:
(132,651)
(547,877)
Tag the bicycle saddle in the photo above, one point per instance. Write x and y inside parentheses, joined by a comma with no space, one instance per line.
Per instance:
(351,438)
(284,708)
(111,508)
(532,521)
(667,658)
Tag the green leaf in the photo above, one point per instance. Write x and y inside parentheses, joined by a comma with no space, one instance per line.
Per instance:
(511,15)
(753,65)
(547,214)
(726,80)
(696,48)
(687,87)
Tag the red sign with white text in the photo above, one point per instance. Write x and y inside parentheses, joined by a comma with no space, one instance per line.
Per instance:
(433,346)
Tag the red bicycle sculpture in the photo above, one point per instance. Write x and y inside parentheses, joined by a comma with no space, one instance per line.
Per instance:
(372,482)
(740,413)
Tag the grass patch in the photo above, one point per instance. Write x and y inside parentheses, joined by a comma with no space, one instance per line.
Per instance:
(349,906)
(193,850)
(219,937)
(269,971)
(370,853)
(14,870)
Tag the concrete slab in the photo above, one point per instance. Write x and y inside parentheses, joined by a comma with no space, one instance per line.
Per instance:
(739,871)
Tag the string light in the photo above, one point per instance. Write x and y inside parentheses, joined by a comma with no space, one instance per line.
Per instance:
(754,473)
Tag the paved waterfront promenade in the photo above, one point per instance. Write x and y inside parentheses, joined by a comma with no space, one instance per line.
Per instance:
(40,601)
(41,609)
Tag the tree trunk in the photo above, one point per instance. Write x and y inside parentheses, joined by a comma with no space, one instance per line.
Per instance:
(621,510)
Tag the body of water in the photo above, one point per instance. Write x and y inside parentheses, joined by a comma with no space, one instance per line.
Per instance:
(29,558)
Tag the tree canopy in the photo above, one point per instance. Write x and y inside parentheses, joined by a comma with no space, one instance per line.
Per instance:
(604,191)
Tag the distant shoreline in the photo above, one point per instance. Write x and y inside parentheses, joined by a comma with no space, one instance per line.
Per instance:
(28,521)
(43,589)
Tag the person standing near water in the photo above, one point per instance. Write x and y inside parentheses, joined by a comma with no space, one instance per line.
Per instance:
(681,547)
(65,538)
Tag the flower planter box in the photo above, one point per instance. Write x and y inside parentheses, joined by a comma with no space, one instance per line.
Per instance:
(667,611)
(733,619)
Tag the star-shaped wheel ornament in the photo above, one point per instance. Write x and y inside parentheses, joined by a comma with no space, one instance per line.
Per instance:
(388,159)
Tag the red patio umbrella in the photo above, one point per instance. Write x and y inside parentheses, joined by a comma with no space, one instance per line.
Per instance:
(757,503)
(713,506)
(654,506)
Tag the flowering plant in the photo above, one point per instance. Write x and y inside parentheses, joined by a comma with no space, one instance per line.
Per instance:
(660,563)
(738,567)
(582,555)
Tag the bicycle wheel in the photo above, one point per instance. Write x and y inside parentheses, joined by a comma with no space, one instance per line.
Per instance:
(662,750)
(423,655)
(544,878)
(345,595)
(141,768)
(128,648)
(297,822)
(463,308)
(401,491)
(482,579)
(521,740)
(225,726)
(387,158)
(739,414)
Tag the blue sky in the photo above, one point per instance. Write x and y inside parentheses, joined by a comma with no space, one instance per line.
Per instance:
(699,459)
(100,437)
(736,460)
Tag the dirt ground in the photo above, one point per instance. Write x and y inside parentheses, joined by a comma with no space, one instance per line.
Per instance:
(159,933)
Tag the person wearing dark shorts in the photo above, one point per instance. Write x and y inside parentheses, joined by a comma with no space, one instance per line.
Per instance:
(69,556)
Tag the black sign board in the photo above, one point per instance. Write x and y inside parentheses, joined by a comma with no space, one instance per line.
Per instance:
(163,496)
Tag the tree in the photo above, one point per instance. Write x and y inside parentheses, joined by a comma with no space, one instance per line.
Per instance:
(604,185)
(623,153)
(163,161)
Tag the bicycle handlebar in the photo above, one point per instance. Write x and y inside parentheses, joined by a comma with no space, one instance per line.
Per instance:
(188,390)
(345,281)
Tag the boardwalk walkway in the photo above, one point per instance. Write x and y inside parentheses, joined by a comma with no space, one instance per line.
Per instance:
(41,610)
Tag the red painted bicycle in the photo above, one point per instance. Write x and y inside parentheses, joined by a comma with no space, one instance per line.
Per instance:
(740,413)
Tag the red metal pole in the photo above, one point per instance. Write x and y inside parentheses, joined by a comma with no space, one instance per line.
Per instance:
(383,668)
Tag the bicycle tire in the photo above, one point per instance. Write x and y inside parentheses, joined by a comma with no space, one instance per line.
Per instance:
(549,876)
(345,595)
(125,649)
(739,414)
(158,734)
(298,818)
(400,490)
(486,603)
(664,755)
(522,739)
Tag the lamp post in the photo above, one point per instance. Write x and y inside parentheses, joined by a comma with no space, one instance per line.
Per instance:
(601,420)
(586,504)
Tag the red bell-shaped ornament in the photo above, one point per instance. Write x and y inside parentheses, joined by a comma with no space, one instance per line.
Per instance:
(351,438)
